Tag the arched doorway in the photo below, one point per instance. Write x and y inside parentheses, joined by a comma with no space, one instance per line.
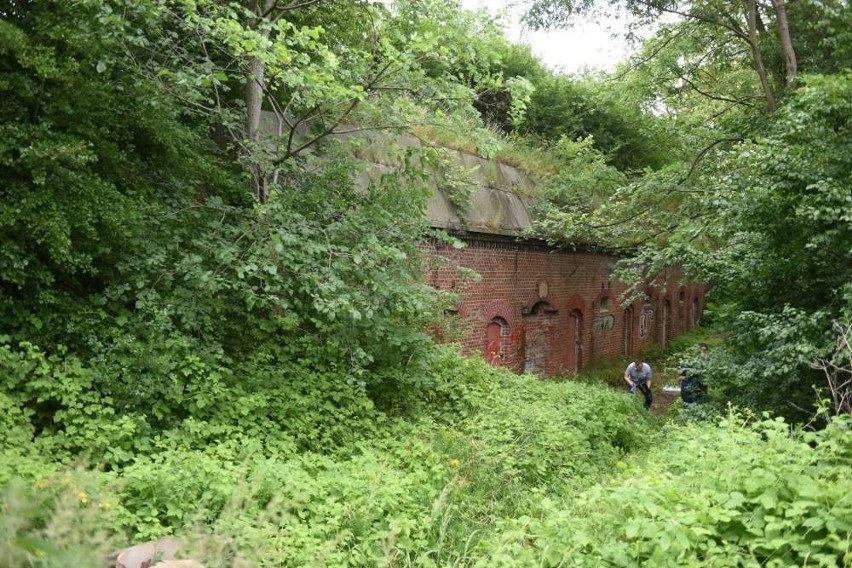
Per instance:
(495,341)
(575,341)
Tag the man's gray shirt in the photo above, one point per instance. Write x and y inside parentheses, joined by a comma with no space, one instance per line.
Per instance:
(637,375)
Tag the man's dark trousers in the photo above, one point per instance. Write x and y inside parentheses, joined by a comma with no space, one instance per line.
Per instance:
(646,391)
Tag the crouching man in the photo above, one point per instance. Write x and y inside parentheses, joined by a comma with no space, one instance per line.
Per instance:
(638,376)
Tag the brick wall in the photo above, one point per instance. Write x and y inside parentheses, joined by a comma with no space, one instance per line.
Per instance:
(546,311)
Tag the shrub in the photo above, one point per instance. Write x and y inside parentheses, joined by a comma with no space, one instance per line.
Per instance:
(748,493)
(66,413)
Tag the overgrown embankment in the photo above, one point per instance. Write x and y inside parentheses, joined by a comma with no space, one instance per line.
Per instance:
(482,468)
(475,447)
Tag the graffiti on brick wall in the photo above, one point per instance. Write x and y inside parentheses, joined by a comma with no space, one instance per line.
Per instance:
(603,324)
(646,322)
(571,288)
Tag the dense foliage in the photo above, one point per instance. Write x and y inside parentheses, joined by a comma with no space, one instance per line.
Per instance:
(755,195)
(206,329)
(760,497)
(394,490)
(136,250)
(505,471)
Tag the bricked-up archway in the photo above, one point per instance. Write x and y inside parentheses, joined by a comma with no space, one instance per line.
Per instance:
(681,320)
(647,317)
(603,322)
(538,333)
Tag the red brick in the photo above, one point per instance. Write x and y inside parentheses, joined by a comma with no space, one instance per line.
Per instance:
(533,292)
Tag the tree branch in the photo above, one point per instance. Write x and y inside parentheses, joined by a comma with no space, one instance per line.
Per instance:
(282,10)
(730,26)
(710,96)
(703,152)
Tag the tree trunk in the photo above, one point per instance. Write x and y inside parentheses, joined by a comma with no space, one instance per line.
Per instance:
(786,43)
(254,105)
(758,59)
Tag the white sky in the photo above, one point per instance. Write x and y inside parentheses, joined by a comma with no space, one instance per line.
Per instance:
(586,45)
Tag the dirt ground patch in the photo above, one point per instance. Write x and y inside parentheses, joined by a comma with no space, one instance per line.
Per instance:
(662,401)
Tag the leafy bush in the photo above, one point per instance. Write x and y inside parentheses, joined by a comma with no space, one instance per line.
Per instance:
(748,493)
(483,446)
(454,388)
(313,510)
(509,471)
(767,363)
(608,372)
(171,490)
(64,411)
